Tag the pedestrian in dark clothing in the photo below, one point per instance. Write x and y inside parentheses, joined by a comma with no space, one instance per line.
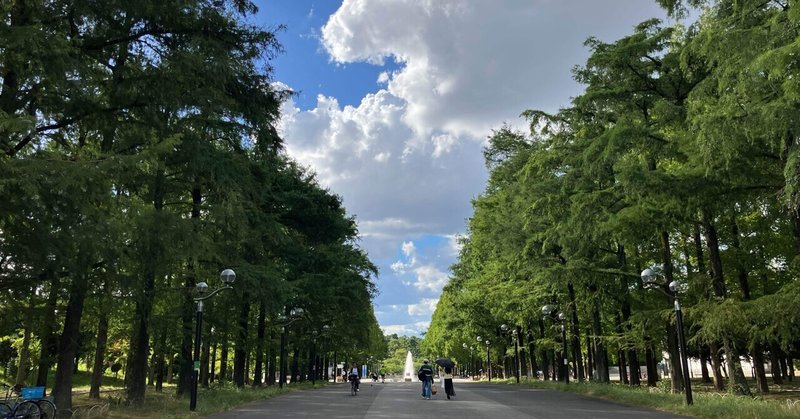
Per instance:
(425,374)
(447,383)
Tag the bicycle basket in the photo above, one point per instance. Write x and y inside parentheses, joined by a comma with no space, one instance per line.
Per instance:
(29,393)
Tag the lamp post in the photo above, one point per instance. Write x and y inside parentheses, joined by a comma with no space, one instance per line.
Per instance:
(549,310)
(228,276)
(513,331)
(488,359)
(563,318)
(650,278)
(471,358)
(293,315)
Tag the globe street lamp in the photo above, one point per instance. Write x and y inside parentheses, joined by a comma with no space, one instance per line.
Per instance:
(650,279)
(505,329)
(228,276)
(488,359)
(549,310)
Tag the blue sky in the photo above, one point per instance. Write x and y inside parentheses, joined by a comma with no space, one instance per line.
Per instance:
(396,100)
(304,65)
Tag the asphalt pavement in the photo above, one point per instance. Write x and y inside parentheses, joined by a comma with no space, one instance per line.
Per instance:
(404,400)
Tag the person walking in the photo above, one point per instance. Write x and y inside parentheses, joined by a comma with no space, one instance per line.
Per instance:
(447,382)
(425,374)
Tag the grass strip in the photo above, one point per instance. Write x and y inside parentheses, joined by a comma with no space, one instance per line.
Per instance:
(706,405)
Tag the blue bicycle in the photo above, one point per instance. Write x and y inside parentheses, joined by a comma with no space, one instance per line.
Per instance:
(14,406)
(26,402)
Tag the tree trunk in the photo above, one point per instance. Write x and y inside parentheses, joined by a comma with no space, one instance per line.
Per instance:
(735,367)
(545,361)
(704,364)
(240,351)
(623,367)
(600,356)
(136,372)
(187,302)
(698,249)
(48,339)
(633,361)
(720,291)
(271,369)
(247,359)
(213,367)
(282,378)
(739,261)
(758,365)
(775,364)
(534,367)
(576,334)
(784,369)
(716,367)
(712,243)
(68,343)
(672,341)
(621,364)
(205,356)
(100,347)
(187,334)
(223,360)
(159,364)
(652,367)
(524,365)
(25,352)
(261,326)
(295,366)
(151,370)
(170,366)
(590,357)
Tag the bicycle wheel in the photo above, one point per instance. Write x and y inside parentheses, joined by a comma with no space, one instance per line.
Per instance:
(5,410)
(352,388)
(47,408)
(27,410)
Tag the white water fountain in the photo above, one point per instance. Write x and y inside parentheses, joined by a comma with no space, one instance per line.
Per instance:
(408,372)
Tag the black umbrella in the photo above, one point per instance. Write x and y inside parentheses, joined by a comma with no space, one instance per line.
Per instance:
(445,363)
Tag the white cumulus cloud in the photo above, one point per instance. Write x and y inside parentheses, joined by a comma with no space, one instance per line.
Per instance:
(430,278)
(408,329)
(425,307)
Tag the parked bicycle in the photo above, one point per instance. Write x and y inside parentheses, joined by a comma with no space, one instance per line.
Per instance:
(26,402)
(14,406)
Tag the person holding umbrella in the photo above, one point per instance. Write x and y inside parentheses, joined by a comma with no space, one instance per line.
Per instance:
(447,377)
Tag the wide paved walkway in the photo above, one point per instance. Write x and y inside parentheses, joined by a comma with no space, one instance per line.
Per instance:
(404,400)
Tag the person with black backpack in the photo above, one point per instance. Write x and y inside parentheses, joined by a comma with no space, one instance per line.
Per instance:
(425,374)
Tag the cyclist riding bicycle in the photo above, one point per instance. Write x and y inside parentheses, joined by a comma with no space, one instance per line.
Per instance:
(354,375)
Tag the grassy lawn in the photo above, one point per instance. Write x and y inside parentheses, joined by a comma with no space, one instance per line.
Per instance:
(166,404)
(783,402)
(213,400)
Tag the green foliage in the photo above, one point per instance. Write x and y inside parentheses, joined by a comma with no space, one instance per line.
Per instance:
(140,157)
(679,155)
